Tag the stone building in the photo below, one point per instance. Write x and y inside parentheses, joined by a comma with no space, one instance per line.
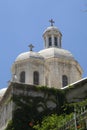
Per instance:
(52,66)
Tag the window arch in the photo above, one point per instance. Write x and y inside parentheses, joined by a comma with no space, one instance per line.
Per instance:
(64,80)
(22,77)
(36,77)
(55,41)
(50,41)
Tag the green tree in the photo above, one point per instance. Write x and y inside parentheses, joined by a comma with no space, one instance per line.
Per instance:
(53,122)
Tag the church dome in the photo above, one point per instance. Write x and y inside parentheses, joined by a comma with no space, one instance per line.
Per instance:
(52,28)
(27,55)
(56,53)
(52,66)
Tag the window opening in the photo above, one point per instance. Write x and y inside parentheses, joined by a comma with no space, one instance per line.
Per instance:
(50,41)
(55,41)
(36,78)
(22,77)
(64,80)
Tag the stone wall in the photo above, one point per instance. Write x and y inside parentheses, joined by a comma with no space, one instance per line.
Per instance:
(77,92)
(55,68)
(43,95)
(35,99)
(6,109)
(39,99)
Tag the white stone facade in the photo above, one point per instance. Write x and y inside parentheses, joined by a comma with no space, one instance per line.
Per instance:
(50,64)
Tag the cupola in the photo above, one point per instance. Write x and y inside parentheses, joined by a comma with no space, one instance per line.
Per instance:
(52,36)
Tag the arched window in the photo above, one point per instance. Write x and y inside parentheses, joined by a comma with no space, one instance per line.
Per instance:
(50,41)
(64,80)
(55,41)
(22,77)
(36,78)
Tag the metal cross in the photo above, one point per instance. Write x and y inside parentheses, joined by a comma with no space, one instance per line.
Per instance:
(52,22)
(31,47)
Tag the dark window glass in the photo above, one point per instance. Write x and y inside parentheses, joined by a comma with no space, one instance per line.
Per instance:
(55,41)
(64,80)
(22,77)
(50,41)
(36,78)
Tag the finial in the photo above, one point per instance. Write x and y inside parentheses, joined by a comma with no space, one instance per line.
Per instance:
(31,47)
(52,22)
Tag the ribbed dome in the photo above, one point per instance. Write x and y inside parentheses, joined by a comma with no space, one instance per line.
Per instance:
(27,55)
(57,53)
(52,28)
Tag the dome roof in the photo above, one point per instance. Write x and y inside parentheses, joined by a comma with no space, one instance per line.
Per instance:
(57,53)
(27,55)
(52,28)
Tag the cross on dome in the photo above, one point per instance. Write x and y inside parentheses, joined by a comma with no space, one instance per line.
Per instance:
(52,22)
(31,47)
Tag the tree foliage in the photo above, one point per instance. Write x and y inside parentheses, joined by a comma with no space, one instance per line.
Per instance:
(53,122)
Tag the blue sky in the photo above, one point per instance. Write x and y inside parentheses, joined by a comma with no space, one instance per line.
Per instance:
(23,22)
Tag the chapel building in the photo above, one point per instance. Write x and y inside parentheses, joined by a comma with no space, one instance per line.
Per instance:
(52,67)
